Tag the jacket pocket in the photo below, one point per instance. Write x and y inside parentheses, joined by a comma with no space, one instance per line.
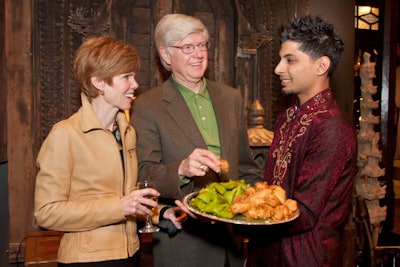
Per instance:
(109,237)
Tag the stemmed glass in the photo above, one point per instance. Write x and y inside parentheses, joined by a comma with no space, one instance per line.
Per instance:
(148,227)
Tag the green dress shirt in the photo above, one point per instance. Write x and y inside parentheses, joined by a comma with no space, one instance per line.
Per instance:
(200,105)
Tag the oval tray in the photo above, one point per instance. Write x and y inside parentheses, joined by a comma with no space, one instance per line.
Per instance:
(238,219)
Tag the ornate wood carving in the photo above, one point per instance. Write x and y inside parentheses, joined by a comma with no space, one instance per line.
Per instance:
(62,26)
(258,21)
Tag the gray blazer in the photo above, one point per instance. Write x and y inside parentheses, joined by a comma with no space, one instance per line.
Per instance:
(167,134)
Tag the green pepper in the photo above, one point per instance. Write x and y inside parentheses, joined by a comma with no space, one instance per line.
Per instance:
(223,212)
(205,196)
(216,198)
(218,187)
(226,214)
(231,184)
(229,195)
(198,203)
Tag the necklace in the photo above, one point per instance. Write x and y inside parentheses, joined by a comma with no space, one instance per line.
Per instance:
(117,134)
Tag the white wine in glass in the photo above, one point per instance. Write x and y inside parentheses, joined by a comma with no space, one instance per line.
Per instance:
(148,227)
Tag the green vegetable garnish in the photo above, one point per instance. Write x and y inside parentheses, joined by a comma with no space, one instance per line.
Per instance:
(217,198)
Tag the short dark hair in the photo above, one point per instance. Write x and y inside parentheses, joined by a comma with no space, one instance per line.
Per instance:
(316,37)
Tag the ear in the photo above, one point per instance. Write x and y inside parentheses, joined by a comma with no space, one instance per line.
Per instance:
(323,65)
(99,84)
(165,55)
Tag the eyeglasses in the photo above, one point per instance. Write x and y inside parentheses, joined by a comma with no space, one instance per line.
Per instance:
(189,48)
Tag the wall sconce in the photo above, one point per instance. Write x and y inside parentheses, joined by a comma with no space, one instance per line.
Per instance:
(366,18)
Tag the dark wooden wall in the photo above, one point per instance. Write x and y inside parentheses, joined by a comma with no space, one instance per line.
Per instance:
(3,91)
(21,132)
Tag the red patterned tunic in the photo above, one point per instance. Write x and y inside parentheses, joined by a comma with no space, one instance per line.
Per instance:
(313,157)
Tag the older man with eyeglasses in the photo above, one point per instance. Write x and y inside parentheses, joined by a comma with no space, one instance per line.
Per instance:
(184,127)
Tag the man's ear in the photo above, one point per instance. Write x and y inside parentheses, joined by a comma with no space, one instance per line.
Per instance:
(165,55)
(323,65)
(99,84)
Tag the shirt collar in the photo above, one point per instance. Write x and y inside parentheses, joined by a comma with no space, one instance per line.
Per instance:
(320,101)
(189,94)
(90,121)
(317,101)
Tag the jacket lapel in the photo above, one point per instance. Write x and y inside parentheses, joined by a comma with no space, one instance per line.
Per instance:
(221,114)
(179,111)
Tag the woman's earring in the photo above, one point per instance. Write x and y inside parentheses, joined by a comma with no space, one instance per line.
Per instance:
(101,92)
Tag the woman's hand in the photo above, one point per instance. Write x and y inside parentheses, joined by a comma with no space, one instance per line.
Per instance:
(137,202)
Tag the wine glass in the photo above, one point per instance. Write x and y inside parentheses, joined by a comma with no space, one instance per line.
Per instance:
(148,227)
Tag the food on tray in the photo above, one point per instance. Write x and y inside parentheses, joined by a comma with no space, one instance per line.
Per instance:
(224,165)
(228,199)
(216,198)
(264,201)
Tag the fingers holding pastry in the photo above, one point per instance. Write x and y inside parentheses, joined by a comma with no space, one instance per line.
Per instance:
(224,166)
(198,163)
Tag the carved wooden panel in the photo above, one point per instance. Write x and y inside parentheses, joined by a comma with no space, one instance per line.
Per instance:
(258,49)
(62,25)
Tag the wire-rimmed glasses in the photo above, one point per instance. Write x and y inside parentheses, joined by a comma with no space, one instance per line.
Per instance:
(189,48)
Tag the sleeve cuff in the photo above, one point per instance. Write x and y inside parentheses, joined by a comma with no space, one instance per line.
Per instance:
(183,180)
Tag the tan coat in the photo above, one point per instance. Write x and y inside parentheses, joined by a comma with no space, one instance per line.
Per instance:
(79,186)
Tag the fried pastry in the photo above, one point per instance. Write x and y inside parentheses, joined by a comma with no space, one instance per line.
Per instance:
(224,166)
(264,201)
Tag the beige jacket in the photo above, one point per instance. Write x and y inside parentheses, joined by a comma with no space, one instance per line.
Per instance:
(80,182)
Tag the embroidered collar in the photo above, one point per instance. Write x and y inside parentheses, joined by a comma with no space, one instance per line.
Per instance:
(316,101)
